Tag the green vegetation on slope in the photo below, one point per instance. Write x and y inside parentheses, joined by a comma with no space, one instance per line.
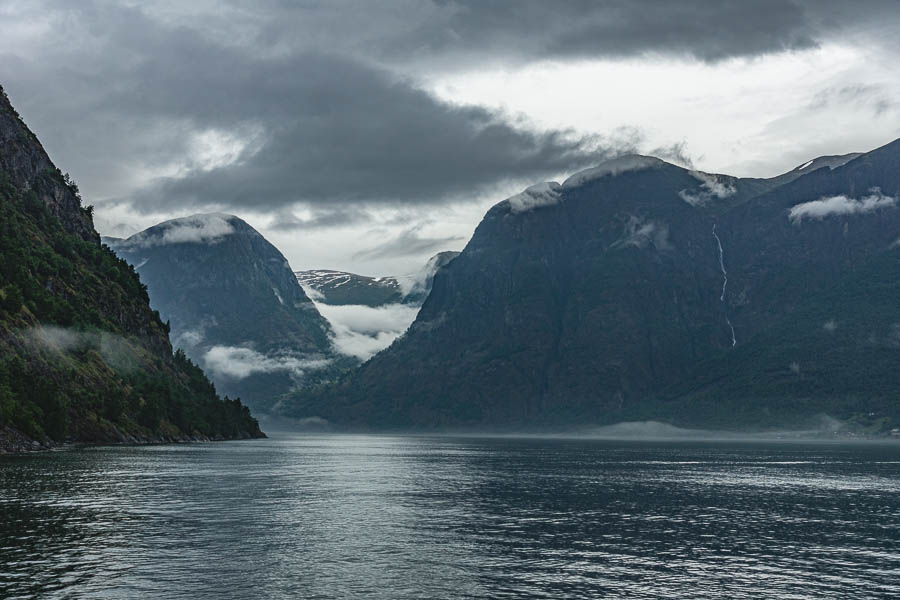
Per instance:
(82,356)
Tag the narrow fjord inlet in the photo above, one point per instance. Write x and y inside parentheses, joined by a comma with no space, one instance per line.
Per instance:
(449,299)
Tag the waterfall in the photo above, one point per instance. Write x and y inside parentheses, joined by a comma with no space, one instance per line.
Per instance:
(724,283)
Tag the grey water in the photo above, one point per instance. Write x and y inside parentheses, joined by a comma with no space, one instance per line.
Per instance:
(437,517)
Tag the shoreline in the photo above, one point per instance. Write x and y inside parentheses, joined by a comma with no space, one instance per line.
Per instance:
(14,442)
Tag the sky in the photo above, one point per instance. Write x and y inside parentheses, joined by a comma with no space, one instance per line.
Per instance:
(368,135)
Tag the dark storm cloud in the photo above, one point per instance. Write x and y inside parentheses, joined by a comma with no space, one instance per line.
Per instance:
(335,130)
(321,128)
(449,31)
(309,96)
(589,28)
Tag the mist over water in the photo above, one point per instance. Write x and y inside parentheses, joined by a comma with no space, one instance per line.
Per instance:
(418,517)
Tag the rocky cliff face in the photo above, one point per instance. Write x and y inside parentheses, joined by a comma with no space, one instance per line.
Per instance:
(641,290)
(82,355)
(28,168)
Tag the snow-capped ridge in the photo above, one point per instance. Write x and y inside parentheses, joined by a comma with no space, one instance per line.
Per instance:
(832,161)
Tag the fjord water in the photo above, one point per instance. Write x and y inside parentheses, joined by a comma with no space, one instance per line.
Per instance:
(433,517)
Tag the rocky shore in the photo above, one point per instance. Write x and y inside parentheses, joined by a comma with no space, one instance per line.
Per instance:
(13,441)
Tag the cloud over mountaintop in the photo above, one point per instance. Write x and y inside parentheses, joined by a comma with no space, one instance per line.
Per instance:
(205,229)
(710,188)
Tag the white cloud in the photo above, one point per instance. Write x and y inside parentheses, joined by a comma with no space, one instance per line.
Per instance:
(239,363)
(362,331)
(616,166)
(542,194)
(830,326)
(188,338)
(710,187)
(206,229)
(640,233)
(116,351)
(312,293)
(840,205)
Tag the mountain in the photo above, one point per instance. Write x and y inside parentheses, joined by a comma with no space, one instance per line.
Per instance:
(640,290)
(233,303)
(82,356)
(339,288)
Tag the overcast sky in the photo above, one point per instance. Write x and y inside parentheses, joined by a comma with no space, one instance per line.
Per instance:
(368,135)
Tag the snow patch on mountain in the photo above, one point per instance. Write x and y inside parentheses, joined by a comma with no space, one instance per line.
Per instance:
(832,162)
(616,166)
(711,187)
(840,205)
(536,196)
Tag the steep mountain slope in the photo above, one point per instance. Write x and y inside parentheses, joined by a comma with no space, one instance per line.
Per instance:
(233,303)
(605,299)
(814,278)
(82,356)
(568,302)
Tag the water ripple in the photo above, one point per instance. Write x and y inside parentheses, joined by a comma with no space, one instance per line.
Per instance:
(415,517)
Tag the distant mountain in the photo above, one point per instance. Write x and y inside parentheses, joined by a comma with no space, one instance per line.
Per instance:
(340,288)
(233,303)
(82,356)
(368,313)
(640,290)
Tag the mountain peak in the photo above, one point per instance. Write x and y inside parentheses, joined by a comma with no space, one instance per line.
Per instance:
(613,167)
(203,228)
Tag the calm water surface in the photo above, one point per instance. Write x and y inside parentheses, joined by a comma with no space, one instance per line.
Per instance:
(414,517)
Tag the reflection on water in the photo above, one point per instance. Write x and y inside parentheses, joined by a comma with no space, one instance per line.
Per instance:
(414,517)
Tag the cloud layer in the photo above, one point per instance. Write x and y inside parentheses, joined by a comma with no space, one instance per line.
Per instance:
(239,363)
(361,331)
(198,229)
(840,205)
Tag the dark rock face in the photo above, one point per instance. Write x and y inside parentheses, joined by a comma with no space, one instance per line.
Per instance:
(605,300)
(27,166)
(83,357)
(233,303)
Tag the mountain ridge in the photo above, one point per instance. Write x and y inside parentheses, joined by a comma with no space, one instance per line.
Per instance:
(595,303)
